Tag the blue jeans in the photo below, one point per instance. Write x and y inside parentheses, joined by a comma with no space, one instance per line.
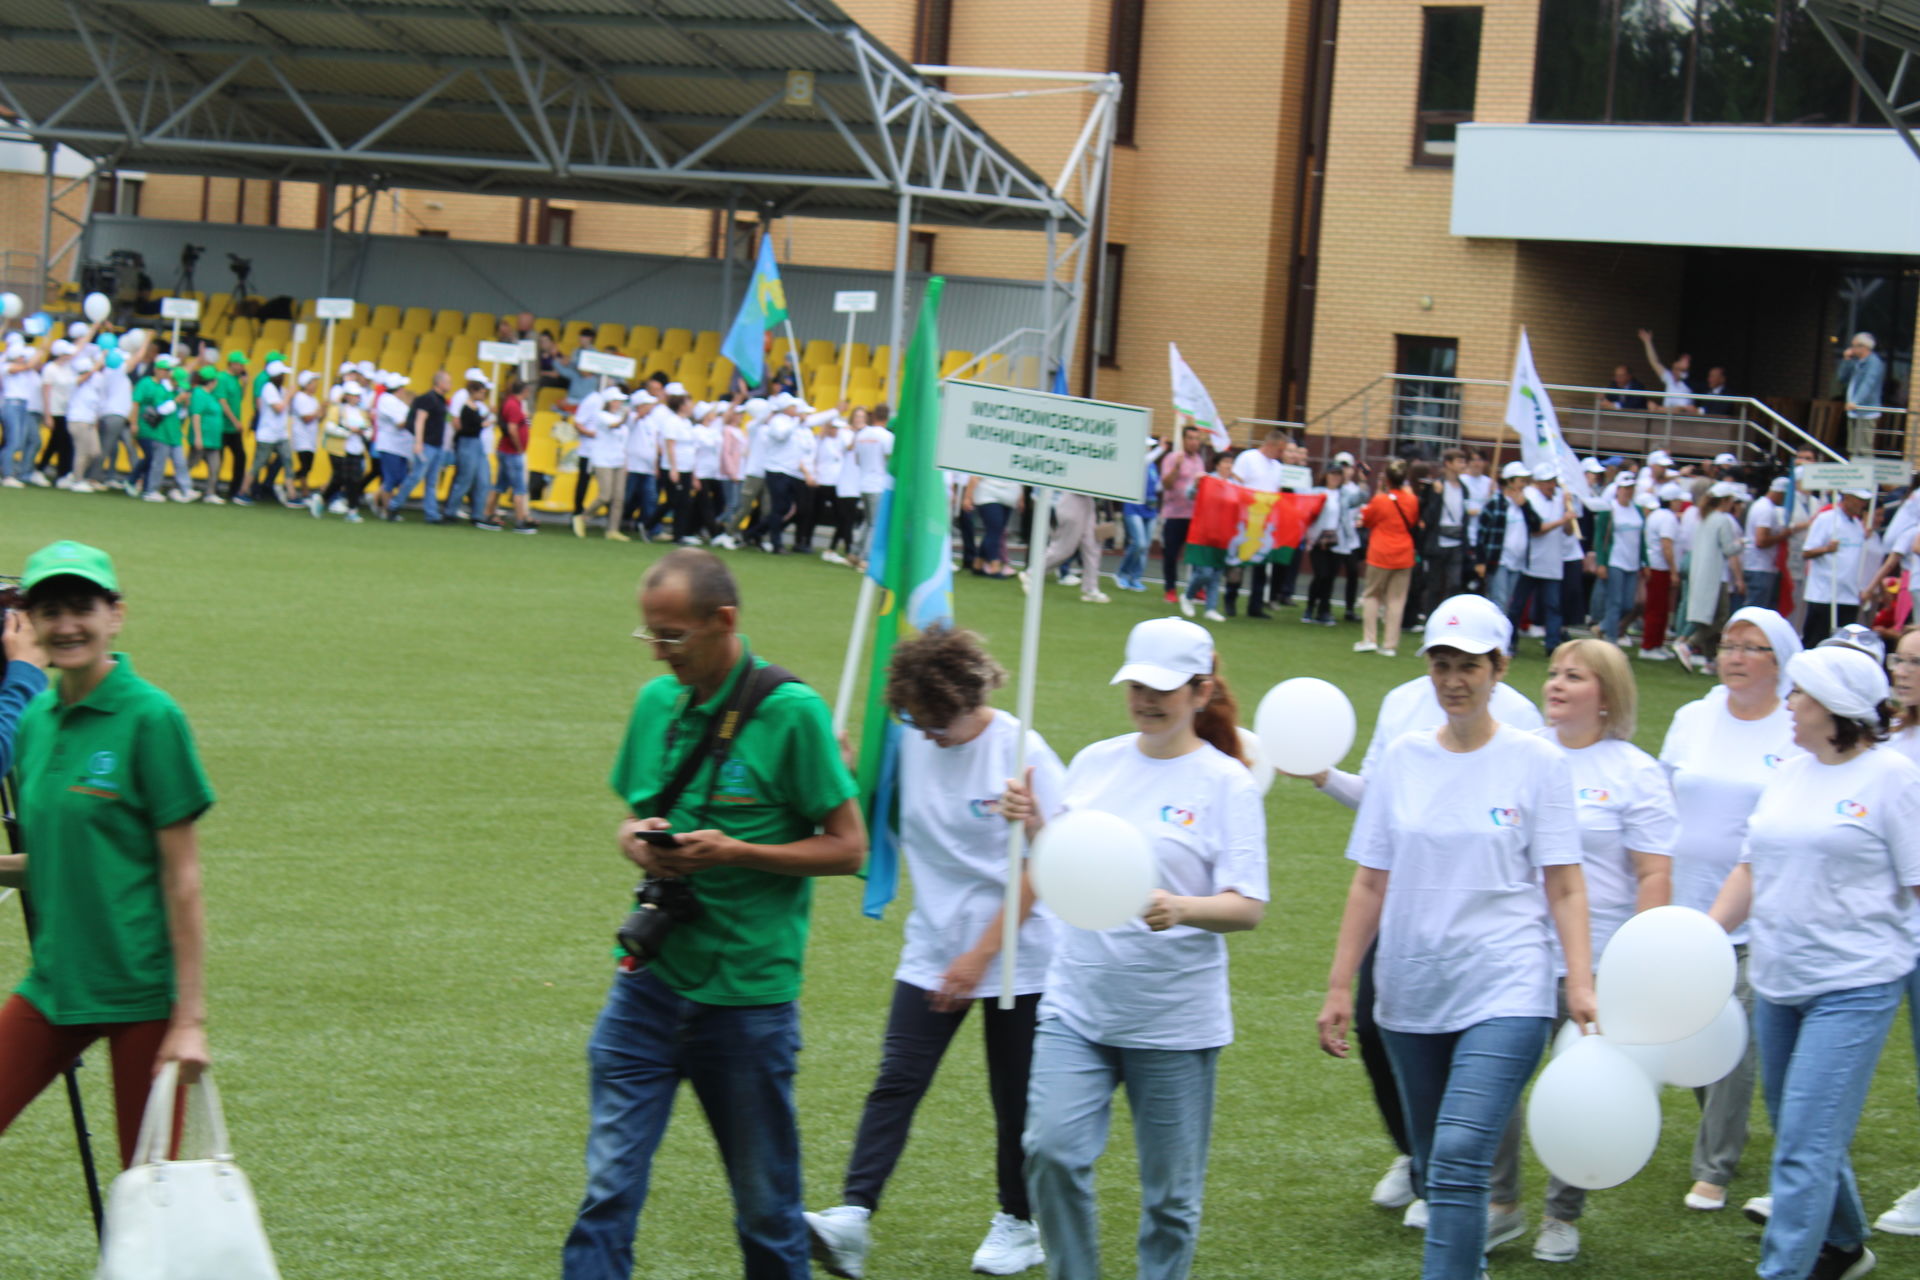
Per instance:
(1913,1012)
(1500,586)
(470,477)
(512,476)
(1133,564)
(1069,1108)
(740,1061)
(426,465)
(993,531)
(17,440)
(1458,1090)
(1203,583)
(637,510)
(1763,591)
(1545,595)
(1816,1066)
(1620,585)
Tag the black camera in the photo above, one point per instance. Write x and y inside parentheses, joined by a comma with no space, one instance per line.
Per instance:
(658,905)
(190,254)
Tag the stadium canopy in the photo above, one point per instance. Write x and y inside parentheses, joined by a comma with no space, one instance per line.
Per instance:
(781,107)
(1849,24)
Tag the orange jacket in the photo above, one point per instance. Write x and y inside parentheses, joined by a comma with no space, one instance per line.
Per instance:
(1390,541)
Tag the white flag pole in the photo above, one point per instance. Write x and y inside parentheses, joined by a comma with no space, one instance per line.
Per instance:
(1023,702)
(856,647)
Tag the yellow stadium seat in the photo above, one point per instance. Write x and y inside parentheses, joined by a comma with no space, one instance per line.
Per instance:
(449,322)
(559,494)
(305,310)
(416,319)
(777,354)
(707,343)
(881,355)
(464,352)
(480,324)
(653,362)
(544,422)
(548,397)
(817,351)
(721,371)
(952,361)
(610,336)
(543,453)
(677,342)
(855,354)
(396,352)
(321,473)
(992,369)
(690,365)
(1026,372)
(385,316)
(434,343)
(570,336)
(642,337)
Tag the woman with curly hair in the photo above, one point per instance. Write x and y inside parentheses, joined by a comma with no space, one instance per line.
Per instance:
(953,768)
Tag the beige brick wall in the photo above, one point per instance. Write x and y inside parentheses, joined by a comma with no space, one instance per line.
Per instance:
(23,199)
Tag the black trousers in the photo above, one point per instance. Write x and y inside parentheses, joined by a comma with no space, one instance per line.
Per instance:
(846,510)
(817,507)
(234,445)
(1320,590)
(917,1037)
(58,451)
(1446,570)
(584,477)
(785,493)
(1822,620)
(1173,541)
(1373,1055)
(345,480)
(674,496)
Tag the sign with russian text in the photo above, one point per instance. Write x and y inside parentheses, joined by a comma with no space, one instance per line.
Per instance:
(179,308)
(333,308)
(1827,476)
(500,352)
(605,363)
(1033,437)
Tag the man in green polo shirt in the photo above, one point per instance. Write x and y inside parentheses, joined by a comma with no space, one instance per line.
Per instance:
(227,385)
(717,1006)
(208,427)
(160,410)
(110,791)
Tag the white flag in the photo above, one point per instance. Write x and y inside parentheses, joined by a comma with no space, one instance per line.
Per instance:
(1530,414)
(1191,398)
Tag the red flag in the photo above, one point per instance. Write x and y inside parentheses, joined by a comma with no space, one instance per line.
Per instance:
(1233,524)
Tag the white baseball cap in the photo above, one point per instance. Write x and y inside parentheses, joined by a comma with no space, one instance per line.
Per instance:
(1778,486)
(367,370)
(1165,653)
(306,376)
(1865,495)
(1660,458)
(474,375)
(641,396)
(1625,480)
(1725,460)
(348,366)
(1343,459)
(82,365)
(1515,470)
(61,347)
(277,368)
(1545,471)
(1671,491)
(1471,624)
(676,389)
(1593,467)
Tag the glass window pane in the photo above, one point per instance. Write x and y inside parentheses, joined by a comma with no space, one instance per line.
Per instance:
(1730,67)
(1570,70)
(1451,63)
(1650,80)
(1811,84)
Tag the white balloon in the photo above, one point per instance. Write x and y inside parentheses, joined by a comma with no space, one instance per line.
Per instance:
(1665,976)
(1707,1057)
(1094,870)
(10,305)
(1305,725)
(1650,1058)
(1257,757)
(98,307)
(1594,1117)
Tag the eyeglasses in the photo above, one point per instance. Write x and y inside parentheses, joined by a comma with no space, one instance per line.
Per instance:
(1748,650)
(669,643)
(906,718)
(1902,661)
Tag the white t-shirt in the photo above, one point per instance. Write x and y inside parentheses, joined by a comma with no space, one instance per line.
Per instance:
(1763,514)
(1679,394)
(56,382)
(1514,539)
(1835,850)
(270,424)
(84,404)
(24,384)
(706,450)
(846,474)
(1411,708)
(116,398)
(677,445)
(1465,932)
(1480,492)
(354,419)
(1547,552)
(1004,492)
(609,448)
(1718,766)
(306,434)
(1131,987)
(643,443)
(1662,524)
(1624,805)
(872,446)
(955,844)
(786,441)
(1256,470)
(1689,530)
(390,434)
(1628,526)
(1841,565)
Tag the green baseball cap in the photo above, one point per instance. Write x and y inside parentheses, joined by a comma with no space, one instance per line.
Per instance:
(70,560)
(241,356)
(274,355)
(164,362)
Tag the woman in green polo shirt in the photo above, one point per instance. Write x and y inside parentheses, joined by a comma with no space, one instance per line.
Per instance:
(109,788)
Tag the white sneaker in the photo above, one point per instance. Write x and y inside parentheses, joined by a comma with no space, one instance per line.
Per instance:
(1655,655)
(155,496)
(185,495)
(338,507)
(79,486)
(1095,596)
(1502,1227)
(64,482)
(1904,1218)
(1759,1209)
(826,557)
(214,500)
(1557,1242)
(841,1237)
(1187,607)
(37,480)
(1011,1247)
(1683,652)
(315,505)
(11,483)
(1214,615)
(1071,580)
(1389,653)
(1025,584)
(1366,646)
(1415,1216)
(1395,1188)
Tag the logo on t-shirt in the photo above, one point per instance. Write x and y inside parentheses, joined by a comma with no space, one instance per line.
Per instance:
(985,808)
(1177,816)
(1851,809)
(1504,817)
(1595,795)
(735,784)
(1771,760)
(102,763)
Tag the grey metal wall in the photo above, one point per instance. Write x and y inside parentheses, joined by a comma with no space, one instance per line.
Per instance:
(570,284)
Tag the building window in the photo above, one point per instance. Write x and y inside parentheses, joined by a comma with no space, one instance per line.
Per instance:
(117,193)
(1692,62)
(920,252)
(1426,400)
(1449,72)
(1106,320)
(556,225)
(430,233)
(932,31)
(1123,56)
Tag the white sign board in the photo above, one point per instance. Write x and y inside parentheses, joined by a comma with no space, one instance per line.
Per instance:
(179,309)
(1296,479)
(529,350)
(857,300)
(1891,472)
(1060,442)
(1827,476)
(333,308)
(300,334)
(611,365)
(500,352)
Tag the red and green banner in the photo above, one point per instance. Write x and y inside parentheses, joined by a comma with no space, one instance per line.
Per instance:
(1233,524)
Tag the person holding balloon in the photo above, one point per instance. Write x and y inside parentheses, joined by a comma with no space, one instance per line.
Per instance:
(1827,882)
(954,759)
(1469,866)
(19,398)
(116,416)
(1146,1003)
(1628,828)
(1720,752)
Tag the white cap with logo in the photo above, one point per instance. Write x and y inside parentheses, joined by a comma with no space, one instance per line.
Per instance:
(1471,624)
(1660,458)
(1515,470)
(1165,653)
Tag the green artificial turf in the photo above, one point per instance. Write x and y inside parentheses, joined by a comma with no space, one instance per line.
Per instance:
(412,885)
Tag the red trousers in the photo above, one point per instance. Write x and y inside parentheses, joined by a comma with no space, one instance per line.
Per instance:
(33,1053)
(1653,624)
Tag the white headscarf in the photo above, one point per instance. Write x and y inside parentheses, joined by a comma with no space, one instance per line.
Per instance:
(1780,634)
(1845,681)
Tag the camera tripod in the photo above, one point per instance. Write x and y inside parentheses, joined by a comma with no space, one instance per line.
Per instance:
(81,1134)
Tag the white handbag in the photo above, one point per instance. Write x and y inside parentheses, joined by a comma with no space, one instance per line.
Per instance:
(183,1219)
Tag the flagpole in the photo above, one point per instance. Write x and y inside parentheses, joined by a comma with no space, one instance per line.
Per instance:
(856,647)
(1029,680)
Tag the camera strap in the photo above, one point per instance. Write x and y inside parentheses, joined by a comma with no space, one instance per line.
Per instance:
(756,682)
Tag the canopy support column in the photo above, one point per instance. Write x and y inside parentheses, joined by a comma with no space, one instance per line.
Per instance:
(902,238)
